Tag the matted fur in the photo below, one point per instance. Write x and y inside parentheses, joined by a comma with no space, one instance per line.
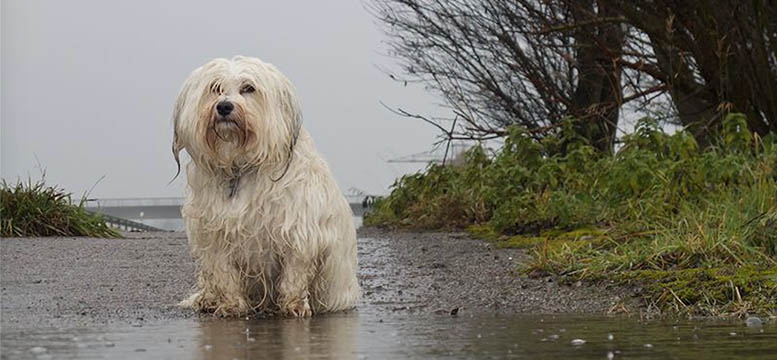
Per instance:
(267,225)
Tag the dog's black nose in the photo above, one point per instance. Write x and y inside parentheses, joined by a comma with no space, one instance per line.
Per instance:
(224,108)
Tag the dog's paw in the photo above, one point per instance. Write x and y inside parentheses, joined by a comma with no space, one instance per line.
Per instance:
(233,307)
(192,302)
(299,308)
(199,301)
(219,306)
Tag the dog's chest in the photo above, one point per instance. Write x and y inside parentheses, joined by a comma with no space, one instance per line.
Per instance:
(252,215)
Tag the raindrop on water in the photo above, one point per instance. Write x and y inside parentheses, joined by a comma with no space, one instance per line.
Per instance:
(753,321)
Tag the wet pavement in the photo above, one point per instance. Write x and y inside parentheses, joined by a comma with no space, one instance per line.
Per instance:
(431,295)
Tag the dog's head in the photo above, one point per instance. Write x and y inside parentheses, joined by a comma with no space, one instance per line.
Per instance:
(235,114)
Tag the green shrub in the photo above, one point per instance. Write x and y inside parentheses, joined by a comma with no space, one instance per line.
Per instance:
(660,203)
(34,209)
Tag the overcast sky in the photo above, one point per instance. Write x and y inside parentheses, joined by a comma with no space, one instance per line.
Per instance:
(88,87)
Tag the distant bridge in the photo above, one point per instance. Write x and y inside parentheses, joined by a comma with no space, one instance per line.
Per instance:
(127,225)
(138,208)
(135,210)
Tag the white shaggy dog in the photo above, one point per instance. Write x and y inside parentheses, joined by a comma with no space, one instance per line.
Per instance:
(269,228)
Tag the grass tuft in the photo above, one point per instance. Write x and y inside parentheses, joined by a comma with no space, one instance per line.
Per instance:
(34,209)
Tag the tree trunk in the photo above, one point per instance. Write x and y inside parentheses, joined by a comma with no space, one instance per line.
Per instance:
(596,101)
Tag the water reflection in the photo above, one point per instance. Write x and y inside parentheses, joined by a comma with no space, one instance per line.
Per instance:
(375,333)
(323,337)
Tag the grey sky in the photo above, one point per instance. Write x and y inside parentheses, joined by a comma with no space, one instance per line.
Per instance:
(88,86)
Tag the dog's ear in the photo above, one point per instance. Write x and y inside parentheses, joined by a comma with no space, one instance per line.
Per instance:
(177,147)
(180,103)
(293,111)
(289,103)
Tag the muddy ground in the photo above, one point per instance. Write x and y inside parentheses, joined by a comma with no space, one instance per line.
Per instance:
(72,282)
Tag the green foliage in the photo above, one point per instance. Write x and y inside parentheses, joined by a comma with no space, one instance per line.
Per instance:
(659,204)
(736,136)
(34,209)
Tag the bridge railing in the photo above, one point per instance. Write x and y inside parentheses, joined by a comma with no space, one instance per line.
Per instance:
(124,224)
(118,202)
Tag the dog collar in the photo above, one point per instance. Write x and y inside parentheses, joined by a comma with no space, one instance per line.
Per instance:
(234,181)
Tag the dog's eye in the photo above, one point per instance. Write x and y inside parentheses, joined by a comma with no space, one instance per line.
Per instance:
(247,89)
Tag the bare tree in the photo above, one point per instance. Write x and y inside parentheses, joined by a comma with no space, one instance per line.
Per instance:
(504,62)
(713,57)
(536,62)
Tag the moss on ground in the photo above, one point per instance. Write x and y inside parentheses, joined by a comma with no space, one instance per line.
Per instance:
(720,291)
(547,237)
(715,291)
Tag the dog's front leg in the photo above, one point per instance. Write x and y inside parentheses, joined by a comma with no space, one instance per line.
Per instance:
(228,287)
(293,288)
(221,288)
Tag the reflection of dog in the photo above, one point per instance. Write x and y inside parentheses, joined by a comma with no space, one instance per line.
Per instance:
(266,222)
(330,337)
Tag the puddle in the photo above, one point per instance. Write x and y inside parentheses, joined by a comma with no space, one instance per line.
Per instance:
(369,335)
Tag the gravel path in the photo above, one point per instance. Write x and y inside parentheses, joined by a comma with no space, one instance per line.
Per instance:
(83,282)
(442,271)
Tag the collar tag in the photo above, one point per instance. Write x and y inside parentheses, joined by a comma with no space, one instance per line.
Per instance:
(233,183)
